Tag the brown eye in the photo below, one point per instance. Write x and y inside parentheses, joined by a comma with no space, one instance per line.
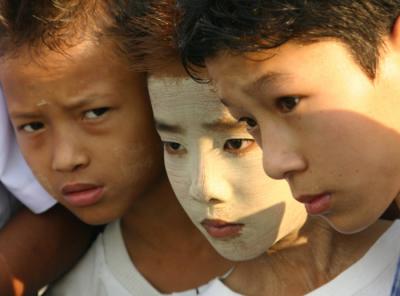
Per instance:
(174,148)
(96,113)
(238,146)
(250,122)
(31,127)
(287,104)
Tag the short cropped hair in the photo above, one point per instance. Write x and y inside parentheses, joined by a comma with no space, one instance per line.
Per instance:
(148,39)
(208,27)
(55,25)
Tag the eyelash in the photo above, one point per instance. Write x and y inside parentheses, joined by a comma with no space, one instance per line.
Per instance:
(228,146)
(102,111)
(251,123)
(287,104)
(36,126)
(168,146)
(239,150)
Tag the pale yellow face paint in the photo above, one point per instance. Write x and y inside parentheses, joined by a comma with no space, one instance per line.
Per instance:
(215,169)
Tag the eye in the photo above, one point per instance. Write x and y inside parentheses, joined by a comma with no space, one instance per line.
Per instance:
(287,104)
(174,148)
(95,113)
(31,127)
(238,146)
(250,122)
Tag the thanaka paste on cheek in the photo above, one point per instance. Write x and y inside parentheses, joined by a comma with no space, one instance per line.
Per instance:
(215,186)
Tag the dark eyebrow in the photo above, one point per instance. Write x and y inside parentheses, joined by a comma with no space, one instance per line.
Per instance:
(78,104)
(222,125)
(264,81)
(165,127)
(75,105)
(24,115)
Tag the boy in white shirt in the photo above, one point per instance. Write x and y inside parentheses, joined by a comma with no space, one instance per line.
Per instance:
(26,236)
(84,124)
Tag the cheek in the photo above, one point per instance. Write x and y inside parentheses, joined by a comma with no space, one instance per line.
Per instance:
(342,144)
(133,162)
(44,178)
(179,176)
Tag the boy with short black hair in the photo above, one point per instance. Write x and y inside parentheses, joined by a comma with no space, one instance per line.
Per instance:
(317,84)
(84,124)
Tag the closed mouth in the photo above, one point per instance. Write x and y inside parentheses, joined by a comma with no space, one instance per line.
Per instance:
(80,194)
(316,204)
(221,229)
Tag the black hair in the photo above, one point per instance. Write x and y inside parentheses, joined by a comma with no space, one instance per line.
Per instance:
(208,27)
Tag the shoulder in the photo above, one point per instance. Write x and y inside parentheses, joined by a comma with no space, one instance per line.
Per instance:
(84,277)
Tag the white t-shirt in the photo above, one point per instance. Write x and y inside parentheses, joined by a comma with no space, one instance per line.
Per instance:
(373,274)
(15,173)
(107,270)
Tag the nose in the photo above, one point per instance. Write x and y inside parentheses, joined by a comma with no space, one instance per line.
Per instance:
(207,182)
(68,153)
(281,154)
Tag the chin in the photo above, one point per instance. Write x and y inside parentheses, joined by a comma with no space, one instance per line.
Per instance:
(347,226)
(234,254)
(95,219)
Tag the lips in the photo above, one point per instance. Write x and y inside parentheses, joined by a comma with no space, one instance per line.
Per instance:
(221,229)
(316,204)
(82,195)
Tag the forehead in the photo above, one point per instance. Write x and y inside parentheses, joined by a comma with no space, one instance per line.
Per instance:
(294,62)
(85,68)
(53,65)
(184,101)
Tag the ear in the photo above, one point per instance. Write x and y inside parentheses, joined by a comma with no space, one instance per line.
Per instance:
(395,34)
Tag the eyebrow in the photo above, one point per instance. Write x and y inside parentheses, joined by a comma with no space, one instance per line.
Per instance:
(79,103)
(23,115)
(165,127)
(264,81)
(76,104)
(222,125)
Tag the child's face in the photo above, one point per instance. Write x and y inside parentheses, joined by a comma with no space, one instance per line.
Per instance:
(85,127)
(326,128)
(214,167)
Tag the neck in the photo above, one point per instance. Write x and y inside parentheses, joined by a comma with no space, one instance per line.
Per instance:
(157,217)
(308,259)
(159,236)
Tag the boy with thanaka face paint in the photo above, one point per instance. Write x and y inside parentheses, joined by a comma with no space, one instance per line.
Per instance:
(205,152)
(84,124)
(317,84)
(213,165)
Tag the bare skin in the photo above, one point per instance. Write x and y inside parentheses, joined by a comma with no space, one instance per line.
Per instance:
(51,242)
(165,246)
(75,149)
(314,256)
